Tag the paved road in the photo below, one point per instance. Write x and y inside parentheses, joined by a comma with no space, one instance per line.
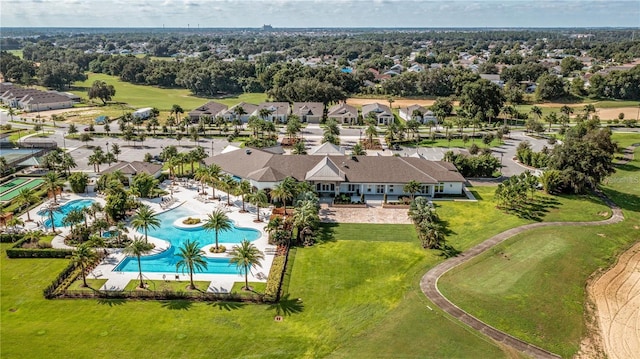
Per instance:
(429,282)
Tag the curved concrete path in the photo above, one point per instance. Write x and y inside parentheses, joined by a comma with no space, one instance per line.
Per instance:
(429,282)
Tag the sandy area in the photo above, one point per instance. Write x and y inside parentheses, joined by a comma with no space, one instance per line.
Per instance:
(363,215)
(616,295)
(358,102)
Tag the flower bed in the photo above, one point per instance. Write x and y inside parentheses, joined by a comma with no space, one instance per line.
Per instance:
(191,221)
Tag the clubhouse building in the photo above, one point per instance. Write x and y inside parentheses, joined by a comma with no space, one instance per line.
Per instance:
(332,175)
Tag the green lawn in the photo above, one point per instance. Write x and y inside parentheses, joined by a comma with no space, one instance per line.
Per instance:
(355,295)
(532,286)
(148,96)
(625,139)
(171,285)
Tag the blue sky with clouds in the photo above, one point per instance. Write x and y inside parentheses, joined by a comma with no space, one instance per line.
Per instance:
(319,13)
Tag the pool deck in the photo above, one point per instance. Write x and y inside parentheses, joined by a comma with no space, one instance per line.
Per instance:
(185,195)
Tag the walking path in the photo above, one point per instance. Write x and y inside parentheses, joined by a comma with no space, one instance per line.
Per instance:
(429,282)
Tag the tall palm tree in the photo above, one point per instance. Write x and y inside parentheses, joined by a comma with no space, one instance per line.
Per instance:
(243,189)
(228,184)
(191,259)
(82,257)
(273,225)
(138,248)
(239,111)
(50,211)
(68,162)
(26,196)
(305,219)
(52,183)
(371,131)
(246,257)
(217,221)
(75,216)
(144,219)
(282,192)
(258,198)
(536,111)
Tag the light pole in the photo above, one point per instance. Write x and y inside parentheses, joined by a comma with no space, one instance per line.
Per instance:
(501,155)
(211,147)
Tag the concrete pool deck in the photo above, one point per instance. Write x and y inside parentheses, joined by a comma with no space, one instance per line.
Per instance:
(185,194)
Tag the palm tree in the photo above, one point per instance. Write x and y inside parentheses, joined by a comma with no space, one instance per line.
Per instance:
(33,236)
(273,225)
(371,131)
(228,184)
(284,191)
(138,248)
(192,259)
(68,162)
(239,111)
(176,110)
(26,196)
(246,257)
(536,111)
(412,187)
(217,221)
(588,109)
(566,110)
(74,217)
(82,257)
(305,219)
(243,188)
(432,234)
(258,198)
(145,218)
(52,183)
(50,211)
(358,150)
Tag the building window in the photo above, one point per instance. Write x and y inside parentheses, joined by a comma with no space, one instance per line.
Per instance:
(380,189)
(440,188)
(424,189)
(390,188)
(352,188)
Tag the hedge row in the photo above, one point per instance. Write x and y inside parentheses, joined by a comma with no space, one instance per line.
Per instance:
(10,237)
(276,275)
(66,277)
(16,251)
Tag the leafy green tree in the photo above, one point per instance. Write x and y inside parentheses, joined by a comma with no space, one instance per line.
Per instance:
(144,219)
(82,257)
(100,89)
(191,259)
(217,221)
(138,248)
(246,257)
(479,97)
(550,87)
(145,185)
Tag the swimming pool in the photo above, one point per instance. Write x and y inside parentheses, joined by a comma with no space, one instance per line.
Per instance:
(165,262)
(64,210)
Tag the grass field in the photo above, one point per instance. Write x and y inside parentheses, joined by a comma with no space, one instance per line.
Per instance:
(356,295)
(533,285)
(139,96)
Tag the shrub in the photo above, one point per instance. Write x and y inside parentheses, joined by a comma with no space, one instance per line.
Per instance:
(274,282)
(221,249)
(191,221)
(9,237)
(473,149)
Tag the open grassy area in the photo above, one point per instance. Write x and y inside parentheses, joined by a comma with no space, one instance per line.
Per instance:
(170,285)
(355,295)
(533,285)
(625,139)
(139,96)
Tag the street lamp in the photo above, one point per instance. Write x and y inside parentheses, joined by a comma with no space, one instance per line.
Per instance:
(211,147)
(501,155)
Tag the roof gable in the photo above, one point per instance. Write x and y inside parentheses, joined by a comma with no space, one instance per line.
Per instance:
(325,170)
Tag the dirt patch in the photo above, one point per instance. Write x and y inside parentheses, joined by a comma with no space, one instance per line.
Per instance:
(358,102)
(616,296)
(364,215)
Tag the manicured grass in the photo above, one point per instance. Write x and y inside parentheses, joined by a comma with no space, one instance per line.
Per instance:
(355,294)
(94,284)
(455,143)
(625,139)
(257,288)
(148,96)
(16,53)
(533,285)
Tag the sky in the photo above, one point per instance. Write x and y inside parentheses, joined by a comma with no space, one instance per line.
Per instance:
(319,13)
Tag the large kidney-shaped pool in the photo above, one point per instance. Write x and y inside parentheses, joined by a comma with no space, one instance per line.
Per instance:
(165,262)
(58,217)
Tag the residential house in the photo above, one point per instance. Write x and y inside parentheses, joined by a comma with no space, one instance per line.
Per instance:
(308,112)
(416,68)
(326,149)
(243,111)
(343,113)
(418,113)
(382,113)
(371,176)
(212,109)
(14,94)
(273,111)
(493,78)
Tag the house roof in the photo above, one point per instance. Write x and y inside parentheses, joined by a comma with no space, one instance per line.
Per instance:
(249,108)
(342,110)
(326,148)
(133,168)
(378,108)
(409,109)
(277,108)
(210,108)
(44,98)
(263,166)
(308,108)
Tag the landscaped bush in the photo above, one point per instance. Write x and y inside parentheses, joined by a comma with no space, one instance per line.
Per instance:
(221,249)
(16,251)
(191,221)
(10,237)
(274,282)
